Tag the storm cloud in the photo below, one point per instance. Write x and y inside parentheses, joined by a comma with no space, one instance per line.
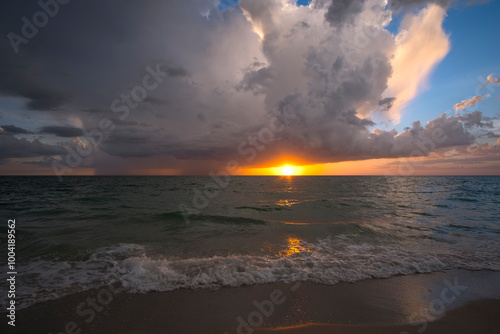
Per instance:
(62,131)
(322,70)
(343,11)
(12,129)
(12,147)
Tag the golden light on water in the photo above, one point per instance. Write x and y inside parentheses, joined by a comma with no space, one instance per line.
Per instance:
(294,247)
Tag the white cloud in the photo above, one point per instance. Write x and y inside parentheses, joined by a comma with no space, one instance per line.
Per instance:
(420,45)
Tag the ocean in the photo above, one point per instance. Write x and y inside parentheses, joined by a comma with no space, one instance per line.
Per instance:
(160,233)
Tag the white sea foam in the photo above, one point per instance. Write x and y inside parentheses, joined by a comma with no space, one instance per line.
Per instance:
(326,261)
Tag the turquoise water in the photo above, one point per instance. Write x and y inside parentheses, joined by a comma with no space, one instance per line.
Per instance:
(85,232)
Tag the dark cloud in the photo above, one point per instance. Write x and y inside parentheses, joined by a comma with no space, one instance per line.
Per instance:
(21,78)
(12,129)
(350,117)
(156,100)
(349,139)
(256,80)
(475,119)
(491,134)
(443,131)
(60,62)
(12,147)
(175,71)
(387,102)
(62,131)
(201,117)
(343,11)
(399,4)
(133,142)
(46,161)
(96,110)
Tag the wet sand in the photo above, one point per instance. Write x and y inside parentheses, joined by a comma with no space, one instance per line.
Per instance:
(457,301)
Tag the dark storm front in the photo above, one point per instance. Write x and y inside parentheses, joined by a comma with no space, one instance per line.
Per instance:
(89,232)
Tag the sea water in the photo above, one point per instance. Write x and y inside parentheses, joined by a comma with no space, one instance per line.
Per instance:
(161,233)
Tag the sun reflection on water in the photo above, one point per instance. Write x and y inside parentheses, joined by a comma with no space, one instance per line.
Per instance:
(294,246)
(287,202)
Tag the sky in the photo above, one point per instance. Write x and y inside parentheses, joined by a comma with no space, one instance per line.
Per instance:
(198,87)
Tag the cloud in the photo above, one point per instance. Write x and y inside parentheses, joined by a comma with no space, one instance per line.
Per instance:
(12,147)
(491,80)
(483,150)
(24,77)
(469,154)
(399,4)
(420,45)
(340,92)
(387,103)
(177,71)
(323,69)
(62,131)
(12,129)
(475,119)
(470,102)
(343,11)
(256,79)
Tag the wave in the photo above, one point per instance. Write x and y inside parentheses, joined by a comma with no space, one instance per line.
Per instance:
(178,216)
(327,261)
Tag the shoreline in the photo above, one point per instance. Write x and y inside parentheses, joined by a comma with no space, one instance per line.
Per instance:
(454,299)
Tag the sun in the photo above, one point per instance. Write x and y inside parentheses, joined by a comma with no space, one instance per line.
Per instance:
(287,170)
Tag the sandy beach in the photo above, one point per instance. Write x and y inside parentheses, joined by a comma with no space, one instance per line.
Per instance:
(453,301)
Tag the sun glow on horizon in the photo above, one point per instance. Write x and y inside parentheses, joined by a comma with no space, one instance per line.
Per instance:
(284,168)
(287,170)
